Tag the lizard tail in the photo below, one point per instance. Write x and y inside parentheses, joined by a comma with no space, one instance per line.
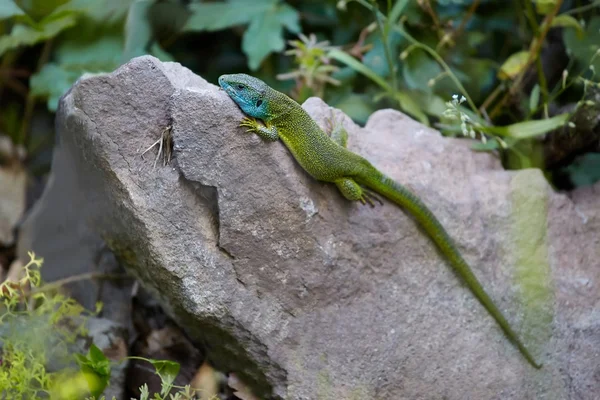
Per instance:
(392,190)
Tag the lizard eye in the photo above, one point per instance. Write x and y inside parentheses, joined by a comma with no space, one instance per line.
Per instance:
(258,103)
(240,87)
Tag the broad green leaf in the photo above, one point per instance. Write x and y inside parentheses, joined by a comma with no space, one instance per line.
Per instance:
(376,59)
(487,146)
(83,49)
(138,32)
(38,9)
(24,35)
(103,11)
(585,170)
(90,46)
(288,17)
(166,370)
(584,50)
(356,65)
(160,53)
(544,7)
(96,369)
(52,82)
(9,9)
(419,69)
(534,99)
(429,103)
(265,33)
(358,107)
(476,74)
(408,104)
(397,10)
(513,65)
(220,15)
(567,21)
(529,129)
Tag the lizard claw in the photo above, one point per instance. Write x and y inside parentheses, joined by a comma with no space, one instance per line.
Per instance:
(249,123)
(368,197)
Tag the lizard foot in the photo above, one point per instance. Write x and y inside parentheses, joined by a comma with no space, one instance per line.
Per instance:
(368,197)
(249,123)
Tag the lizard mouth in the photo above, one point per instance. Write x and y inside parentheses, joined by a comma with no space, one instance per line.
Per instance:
(226,86)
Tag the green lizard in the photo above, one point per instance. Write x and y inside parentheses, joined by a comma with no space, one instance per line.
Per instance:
(327,159)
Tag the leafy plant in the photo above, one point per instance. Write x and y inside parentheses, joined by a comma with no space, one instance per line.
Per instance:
(314,67)
(266,20)
(38,327)
(522,66)
(35,328)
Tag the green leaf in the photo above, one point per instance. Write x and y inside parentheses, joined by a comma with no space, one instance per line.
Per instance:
(567,21)
(9,9)
(25,35)
(584,50)
(534,99)
(513,65)
(138,32)
(166,370)
(83,49)
(52,82)
(96,369)
(39,9)
(429,103)
(528,129)
(408,104)
(356,65)
(545,6)
(585,170)
(419,69)
(265,34)
(487,146)
(397,10)
(104,11)
(216,16)
(376,59)
(357,107)
(267,18)
(160,53)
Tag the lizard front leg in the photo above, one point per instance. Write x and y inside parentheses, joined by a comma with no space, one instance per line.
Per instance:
(267,132)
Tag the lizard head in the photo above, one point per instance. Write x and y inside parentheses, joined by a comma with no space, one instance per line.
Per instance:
(249,93)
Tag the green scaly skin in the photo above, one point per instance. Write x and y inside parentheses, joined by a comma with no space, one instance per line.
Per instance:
(327,159)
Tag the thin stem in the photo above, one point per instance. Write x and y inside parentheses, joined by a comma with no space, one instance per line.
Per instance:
(486,103)
(534,51)
(47,287)
(30,102)
(542,79)
(463,23)
(441,61)
(583,8)
(427,6)
(386,48)
(530,13)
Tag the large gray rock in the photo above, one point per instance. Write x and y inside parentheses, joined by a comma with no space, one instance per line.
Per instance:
(305,295)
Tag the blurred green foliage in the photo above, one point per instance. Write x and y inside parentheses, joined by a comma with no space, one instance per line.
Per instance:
(39,331)
(509,74)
